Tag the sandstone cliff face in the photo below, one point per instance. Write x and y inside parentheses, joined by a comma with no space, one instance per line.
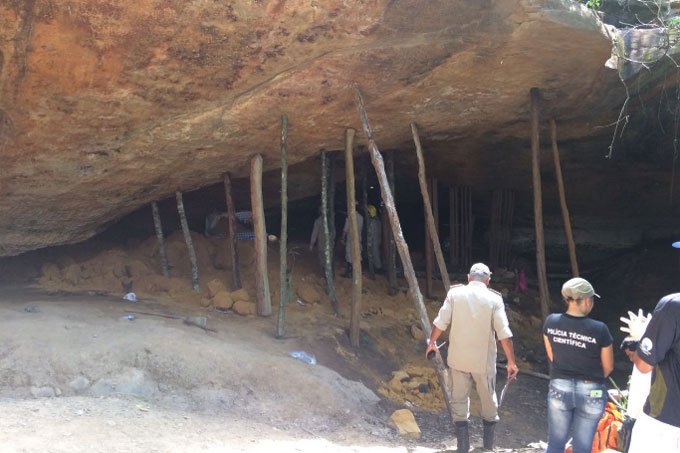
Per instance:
(107,105)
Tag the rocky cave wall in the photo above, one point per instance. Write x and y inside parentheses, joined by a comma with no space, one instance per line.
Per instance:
(106,106)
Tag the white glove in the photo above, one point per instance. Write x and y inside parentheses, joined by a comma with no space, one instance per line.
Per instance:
(635,324)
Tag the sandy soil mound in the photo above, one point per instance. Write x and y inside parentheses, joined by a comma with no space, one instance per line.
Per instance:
(74,343)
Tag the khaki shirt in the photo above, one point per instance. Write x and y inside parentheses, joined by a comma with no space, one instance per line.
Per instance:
(475,313)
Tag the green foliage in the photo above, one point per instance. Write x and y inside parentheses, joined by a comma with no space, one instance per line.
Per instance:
(594,4)
(622,403)
(673,22)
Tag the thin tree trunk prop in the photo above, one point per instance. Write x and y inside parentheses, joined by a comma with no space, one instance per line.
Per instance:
(354,325)
(188,241)
(284,278)
(232,243)
(494,231)
(502,209)
(368,240)
(434,192)
(434,236)
(454,227)
(161,242)
(563,201)
(538,206)
(506,227)
(386,237)
(467,226)
(409,273)
(429,254)
(327,252)
(391,247)
(461,224)
(262,295)
(331,205)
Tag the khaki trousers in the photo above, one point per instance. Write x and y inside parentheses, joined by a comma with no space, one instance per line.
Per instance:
(461,384)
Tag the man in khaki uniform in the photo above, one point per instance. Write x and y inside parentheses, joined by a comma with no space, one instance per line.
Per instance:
(477,318)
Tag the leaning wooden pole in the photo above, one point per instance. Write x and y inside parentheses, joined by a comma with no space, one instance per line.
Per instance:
(402,247)
(434,235)
(161,242)
(391,249)
(434,194)
(284,280)
(187,239)
(541,274)
(232,243)
(262,295)
(429,259)
(354,324)
(327,251)
(563,201)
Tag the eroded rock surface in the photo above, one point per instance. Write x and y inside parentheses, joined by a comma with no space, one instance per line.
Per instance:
(106,106)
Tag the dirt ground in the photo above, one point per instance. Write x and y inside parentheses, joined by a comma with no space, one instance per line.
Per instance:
(77,375)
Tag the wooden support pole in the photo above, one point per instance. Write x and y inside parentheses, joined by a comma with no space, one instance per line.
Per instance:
(434,192)
(541,274)
(467,226)
(434,236)
(354,325)
(284,275)
(367,237)
(454,227)
(429,254)
(402,247)
(505,228)
(331,204)
(495,232)
(161,242)
(563,201)
(187,239)
(262,295)
(493,229)
(232,243)
(510,218)
(328,245)
(391,246)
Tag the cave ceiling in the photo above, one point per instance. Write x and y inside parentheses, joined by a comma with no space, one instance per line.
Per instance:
(106,106)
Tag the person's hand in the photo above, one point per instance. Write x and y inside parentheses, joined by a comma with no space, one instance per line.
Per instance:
(311,248)
(431,346)
(513,371)
(635,324)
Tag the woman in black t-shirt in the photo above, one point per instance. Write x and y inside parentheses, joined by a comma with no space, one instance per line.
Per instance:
(581,357)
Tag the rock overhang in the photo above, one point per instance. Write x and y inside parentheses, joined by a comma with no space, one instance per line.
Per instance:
(108,106)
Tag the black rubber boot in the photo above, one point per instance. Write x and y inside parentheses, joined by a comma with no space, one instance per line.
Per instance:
(489,428)
(463,436)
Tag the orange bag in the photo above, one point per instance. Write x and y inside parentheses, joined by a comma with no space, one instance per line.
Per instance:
(607,429)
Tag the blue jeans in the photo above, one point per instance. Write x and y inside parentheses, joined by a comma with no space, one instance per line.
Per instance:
(574,405)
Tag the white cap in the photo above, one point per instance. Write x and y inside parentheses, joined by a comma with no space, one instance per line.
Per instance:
(578,288)
(480,269)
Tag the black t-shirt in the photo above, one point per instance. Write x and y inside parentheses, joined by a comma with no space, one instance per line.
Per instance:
(577,344)
(660,347)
